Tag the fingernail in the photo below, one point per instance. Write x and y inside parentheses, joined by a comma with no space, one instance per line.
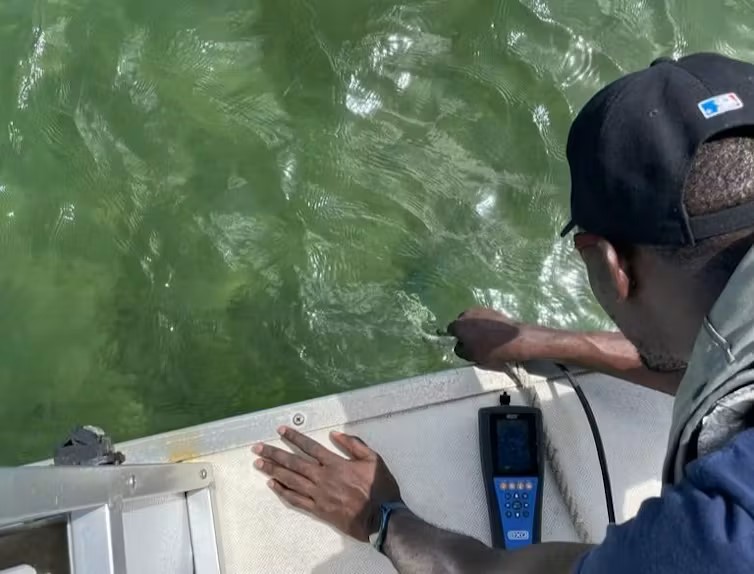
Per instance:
(282,430)
(259,463)
(257,449)
(336,433)
(271,484)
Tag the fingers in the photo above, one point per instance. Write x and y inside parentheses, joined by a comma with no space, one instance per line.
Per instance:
(291,497)
(352,445)
(462,352)
(286,459)
(308,445)
(453,327)
(291,480)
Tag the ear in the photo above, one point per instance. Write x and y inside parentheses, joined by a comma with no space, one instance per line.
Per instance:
(609,272)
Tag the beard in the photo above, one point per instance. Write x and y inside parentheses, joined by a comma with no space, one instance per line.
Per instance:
(662,363)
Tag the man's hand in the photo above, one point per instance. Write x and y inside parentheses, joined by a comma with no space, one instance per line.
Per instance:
(491,339)
(342,492)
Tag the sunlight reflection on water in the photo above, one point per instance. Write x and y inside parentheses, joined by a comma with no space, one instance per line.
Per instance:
(208,210)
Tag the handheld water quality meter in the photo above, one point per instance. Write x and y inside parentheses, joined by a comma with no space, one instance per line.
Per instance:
(512,465)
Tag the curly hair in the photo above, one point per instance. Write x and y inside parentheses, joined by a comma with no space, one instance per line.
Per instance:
(721,177)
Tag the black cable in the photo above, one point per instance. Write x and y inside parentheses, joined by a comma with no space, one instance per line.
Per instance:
(597,442)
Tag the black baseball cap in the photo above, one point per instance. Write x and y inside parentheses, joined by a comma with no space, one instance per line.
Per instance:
(631,148)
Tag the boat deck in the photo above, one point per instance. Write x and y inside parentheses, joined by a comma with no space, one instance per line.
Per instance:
(426,429)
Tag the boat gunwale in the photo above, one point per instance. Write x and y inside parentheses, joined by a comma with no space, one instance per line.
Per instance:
(339,409)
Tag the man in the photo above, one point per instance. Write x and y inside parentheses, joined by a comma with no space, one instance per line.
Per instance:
(662,168)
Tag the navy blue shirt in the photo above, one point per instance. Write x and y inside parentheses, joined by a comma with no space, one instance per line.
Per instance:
(702,525)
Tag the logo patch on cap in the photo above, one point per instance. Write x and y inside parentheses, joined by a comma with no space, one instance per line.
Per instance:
(721,104)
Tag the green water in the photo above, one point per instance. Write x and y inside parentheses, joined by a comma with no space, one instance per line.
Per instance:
(212,207)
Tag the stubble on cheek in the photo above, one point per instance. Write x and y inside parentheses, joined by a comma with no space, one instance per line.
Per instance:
(662,363)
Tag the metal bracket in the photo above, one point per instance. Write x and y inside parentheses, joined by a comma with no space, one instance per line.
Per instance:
(93,498)
(97,541)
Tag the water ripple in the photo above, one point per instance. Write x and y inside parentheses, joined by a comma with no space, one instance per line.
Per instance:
(578,64)
(286,198)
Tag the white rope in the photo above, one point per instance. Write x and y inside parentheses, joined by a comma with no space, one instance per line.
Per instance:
(524,383)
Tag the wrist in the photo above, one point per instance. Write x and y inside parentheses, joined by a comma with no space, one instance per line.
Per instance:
(387,512)
(400,529)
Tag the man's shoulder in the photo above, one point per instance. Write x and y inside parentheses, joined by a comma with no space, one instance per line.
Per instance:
(727,473)
(703,524)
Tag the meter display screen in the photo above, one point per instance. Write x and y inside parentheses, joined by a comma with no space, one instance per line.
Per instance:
(514,440)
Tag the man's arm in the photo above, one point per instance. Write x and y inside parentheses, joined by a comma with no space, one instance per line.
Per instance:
(348,493)
(415,547)
(703,524)
(491,340)
(604,352)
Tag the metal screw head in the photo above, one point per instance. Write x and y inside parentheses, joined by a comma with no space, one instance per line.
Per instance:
(203,474)
(132,481)
(298,419)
